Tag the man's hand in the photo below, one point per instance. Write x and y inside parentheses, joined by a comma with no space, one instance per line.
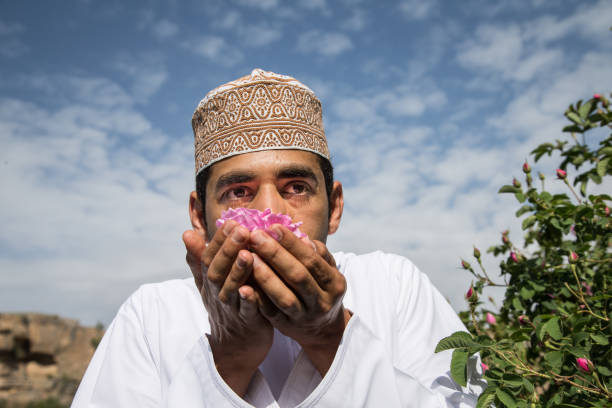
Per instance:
(240,336)
(303,292)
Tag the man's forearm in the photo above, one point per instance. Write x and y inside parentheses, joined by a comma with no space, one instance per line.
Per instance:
(322,354)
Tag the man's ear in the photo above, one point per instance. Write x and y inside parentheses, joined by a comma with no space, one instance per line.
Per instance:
(336,206)
(196,214)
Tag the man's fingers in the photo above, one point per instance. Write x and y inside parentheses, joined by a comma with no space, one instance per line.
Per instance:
(273,287)
(217,241)
(195,245)
(221,264)
(291,262)
(240,272)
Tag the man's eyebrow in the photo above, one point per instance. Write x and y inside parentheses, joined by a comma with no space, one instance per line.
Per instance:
(297,171)
(234,177)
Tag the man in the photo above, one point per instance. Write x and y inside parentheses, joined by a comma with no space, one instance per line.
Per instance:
(274,320)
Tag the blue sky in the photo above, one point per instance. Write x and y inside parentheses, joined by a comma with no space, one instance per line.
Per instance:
(429,107)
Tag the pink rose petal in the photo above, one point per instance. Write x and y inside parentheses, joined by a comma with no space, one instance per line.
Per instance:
(253,219)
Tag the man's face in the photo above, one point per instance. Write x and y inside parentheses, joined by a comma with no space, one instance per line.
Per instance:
(286,181)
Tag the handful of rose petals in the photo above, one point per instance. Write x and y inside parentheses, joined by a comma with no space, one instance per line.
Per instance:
(253,219)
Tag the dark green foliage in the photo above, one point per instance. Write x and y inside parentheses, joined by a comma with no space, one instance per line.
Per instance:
(556,310)
(48,403)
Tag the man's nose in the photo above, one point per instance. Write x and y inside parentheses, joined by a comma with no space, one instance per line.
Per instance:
(269,197)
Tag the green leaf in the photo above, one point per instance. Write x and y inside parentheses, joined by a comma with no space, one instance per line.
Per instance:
(455,340)
(520,197)
(459,366)
(516,303)
(584,110)
(573,117)
(528,385)
(552,328)
(526,293)
(555,359)
(486,398)
(602,166)
(600,339)
(604,371)
(528,222)
(508,189)
(606,151)
(505,398)
(555,223)
(523,210)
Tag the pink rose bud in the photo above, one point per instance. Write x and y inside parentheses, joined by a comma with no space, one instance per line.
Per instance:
(465,264)
(469,293)
(596,96)
(526,168)
(584,364)
(516,183)
(523,319)
(573,256)
(607,211)
(582,306)
(587,289)
(513,256)
(484,367)
(491,319)
(561,174)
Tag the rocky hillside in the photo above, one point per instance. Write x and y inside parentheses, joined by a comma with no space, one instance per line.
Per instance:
(42,357)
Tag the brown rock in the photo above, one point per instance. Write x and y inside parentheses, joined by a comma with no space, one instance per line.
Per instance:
(42,356)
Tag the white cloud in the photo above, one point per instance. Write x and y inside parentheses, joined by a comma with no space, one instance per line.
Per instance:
(214,48)
(260,35)
(91,190)
(146,71)
(7,28)
(328,44)
(417,9)
(164,29)
(320,5)
(356,22)
(260,4)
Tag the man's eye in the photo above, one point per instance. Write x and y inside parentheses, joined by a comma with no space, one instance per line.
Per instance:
(236,193)
(297,188)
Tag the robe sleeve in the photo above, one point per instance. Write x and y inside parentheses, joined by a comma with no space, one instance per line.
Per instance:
(122,372)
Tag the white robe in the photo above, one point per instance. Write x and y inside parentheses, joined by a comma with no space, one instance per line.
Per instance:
(155,352)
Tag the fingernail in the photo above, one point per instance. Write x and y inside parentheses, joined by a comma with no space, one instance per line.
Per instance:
(258,237)
(277,231)
(238,236)
(241,293)
(241,262)
(228,227)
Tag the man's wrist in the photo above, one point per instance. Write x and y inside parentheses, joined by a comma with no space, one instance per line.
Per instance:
(322,350)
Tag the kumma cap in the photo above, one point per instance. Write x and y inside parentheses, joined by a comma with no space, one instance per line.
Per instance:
(260,111)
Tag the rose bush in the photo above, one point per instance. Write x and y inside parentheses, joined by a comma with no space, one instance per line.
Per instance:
(548,345)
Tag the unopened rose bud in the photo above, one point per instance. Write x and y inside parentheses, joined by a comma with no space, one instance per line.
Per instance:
(573,256)
(596,96)
(516,183)
(491,319)
(465,264)
(561,174)
(513,256)
(484,367)
(526,168)
(584,364)
(542,176)
(582,307)
(607,210)
(476,253)
(469,293)
(523,319)
(587,289)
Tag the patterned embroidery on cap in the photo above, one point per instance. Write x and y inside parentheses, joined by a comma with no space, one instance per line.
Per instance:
(257,112)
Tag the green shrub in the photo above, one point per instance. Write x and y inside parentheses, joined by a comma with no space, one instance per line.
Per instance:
(549,344)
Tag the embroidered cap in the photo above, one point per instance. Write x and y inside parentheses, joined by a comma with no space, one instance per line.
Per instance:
(260,111)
